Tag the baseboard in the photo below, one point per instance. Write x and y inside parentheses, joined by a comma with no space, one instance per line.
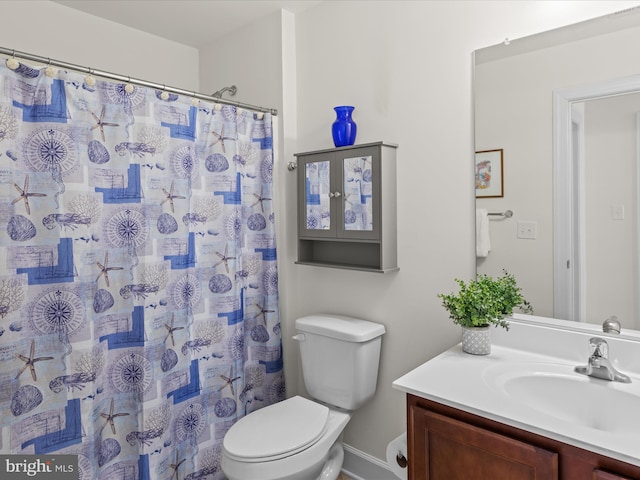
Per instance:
(362,466)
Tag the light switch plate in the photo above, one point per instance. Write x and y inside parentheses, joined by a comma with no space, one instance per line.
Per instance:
(617,212)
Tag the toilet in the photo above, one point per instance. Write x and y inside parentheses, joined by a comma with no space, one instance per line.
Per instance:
(298,438)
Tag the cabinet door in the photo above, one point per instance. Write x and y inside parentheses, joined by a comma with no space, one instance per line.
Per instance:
(340,194)
(442,448)
(359,202)
(317,209)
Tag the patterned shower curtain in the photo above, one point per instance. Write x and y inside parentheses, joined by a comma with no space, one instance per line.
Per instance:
(138,283)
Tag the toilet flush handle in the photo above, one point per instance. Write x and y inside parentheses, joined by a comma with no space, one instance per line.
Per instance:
(300,337)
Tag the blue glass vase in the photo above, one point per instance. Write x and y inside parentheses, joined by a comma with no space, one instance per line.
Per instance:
(344,128)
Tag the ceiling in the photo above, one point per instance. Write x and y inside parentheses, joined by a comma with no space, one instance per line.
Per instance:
(196,23)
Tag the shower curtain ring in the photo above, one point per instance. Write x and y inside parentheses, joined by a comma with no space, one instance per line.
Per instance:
(12,63)
(164,95)
(50,71)
(90,80)
(128,87)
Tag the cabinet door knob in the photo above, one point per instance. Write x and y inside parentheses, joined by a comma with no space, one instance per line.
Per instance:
(334,194)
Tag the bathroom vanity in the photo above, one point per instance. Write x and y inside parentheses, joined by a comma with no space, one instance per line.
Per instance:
(522,412)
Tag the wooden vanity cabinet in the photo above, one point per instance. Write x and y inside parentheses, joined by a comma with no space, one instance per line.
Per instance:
(445,443)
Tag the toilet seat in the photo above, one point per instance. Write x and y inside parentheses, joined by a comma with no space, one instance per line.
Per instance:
(277,431)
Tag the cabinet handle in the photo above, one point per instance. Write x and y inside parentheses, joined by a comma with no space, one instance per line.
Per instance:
(336,194)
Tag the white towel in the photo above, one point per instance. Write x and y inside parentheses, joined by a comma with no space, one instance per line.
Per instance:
(483,242)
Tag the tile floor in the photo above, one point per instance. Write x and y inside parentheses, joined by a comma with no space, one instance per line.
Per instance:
(343,476)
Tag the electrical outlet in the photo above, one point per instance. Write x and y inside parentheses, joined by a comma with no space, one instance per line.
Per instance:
(527,230)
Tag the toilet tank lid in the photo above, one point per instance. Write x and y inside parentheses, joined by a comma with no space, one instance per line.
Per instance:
(340,327)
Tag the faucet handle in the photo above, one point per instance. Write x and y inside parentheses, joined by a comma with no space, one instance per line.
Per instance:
(599,347)
(611,325)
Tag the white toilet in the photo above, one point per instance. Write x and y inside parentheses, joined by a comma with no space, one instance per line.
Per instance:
(298,438)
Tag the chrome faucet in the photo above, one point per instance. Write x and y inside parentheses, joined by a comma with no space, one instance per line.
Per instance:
(599,365)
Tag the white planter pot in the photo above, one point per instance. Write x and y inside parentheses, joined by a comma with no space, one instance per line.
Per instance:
(476,340)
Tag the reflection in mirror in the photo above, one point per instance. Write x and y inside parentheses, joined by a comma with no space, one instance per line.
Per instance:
(583,263)
(594,228)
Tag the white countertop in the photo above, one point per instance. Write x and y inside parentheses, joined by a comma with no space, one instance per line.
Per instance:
(467,382)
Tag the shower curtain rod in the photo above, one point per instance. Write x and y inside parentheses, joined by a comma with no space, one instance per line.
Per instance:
(134,81)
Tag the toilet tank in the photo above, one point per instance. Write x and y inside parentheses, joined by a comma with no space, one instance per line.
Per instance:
(340,357)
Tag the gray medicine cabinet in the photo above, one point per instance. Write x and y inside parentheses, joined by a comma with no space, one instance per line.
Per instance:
(347,207)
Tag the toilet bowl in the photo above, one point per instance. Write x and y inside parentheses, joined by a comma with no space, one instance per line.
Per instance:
(298,438)
(293,439)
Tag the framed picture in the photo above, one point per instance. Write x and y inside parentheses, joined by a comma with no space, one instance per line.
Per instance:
(489,174)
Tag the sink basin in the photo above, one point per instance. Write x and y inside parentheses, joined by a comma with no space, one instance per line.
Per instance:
(558,392)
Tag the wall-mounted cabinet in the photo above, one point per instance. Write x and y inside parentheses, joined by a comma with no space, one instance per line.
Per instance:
(347,207)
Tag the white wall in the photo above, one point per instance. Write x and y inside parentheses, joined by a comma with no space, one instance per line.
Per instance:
(259,80)
(406,66)
(54,31)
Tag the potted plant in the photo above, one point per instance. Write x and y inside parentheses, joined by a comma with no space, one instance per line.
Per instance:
(481,303)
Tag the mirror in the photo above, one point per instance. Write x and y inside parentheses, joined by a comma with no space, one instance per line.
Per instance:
(571,175)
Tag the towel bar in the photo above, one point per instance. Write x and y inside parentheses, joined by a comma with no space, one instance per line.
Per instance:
(505,214)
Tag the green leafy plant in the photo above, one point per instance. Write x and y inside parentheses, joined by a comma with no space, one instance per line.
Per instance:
(485,301)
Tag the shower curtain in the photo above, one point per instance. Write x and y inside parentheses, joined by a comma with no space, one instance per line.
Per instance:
(138,283)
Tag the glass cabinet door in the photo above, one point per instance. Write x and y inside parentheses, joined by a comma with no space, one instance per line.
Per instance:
(358,194)
(358,172)
(316,205)
(318,195)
